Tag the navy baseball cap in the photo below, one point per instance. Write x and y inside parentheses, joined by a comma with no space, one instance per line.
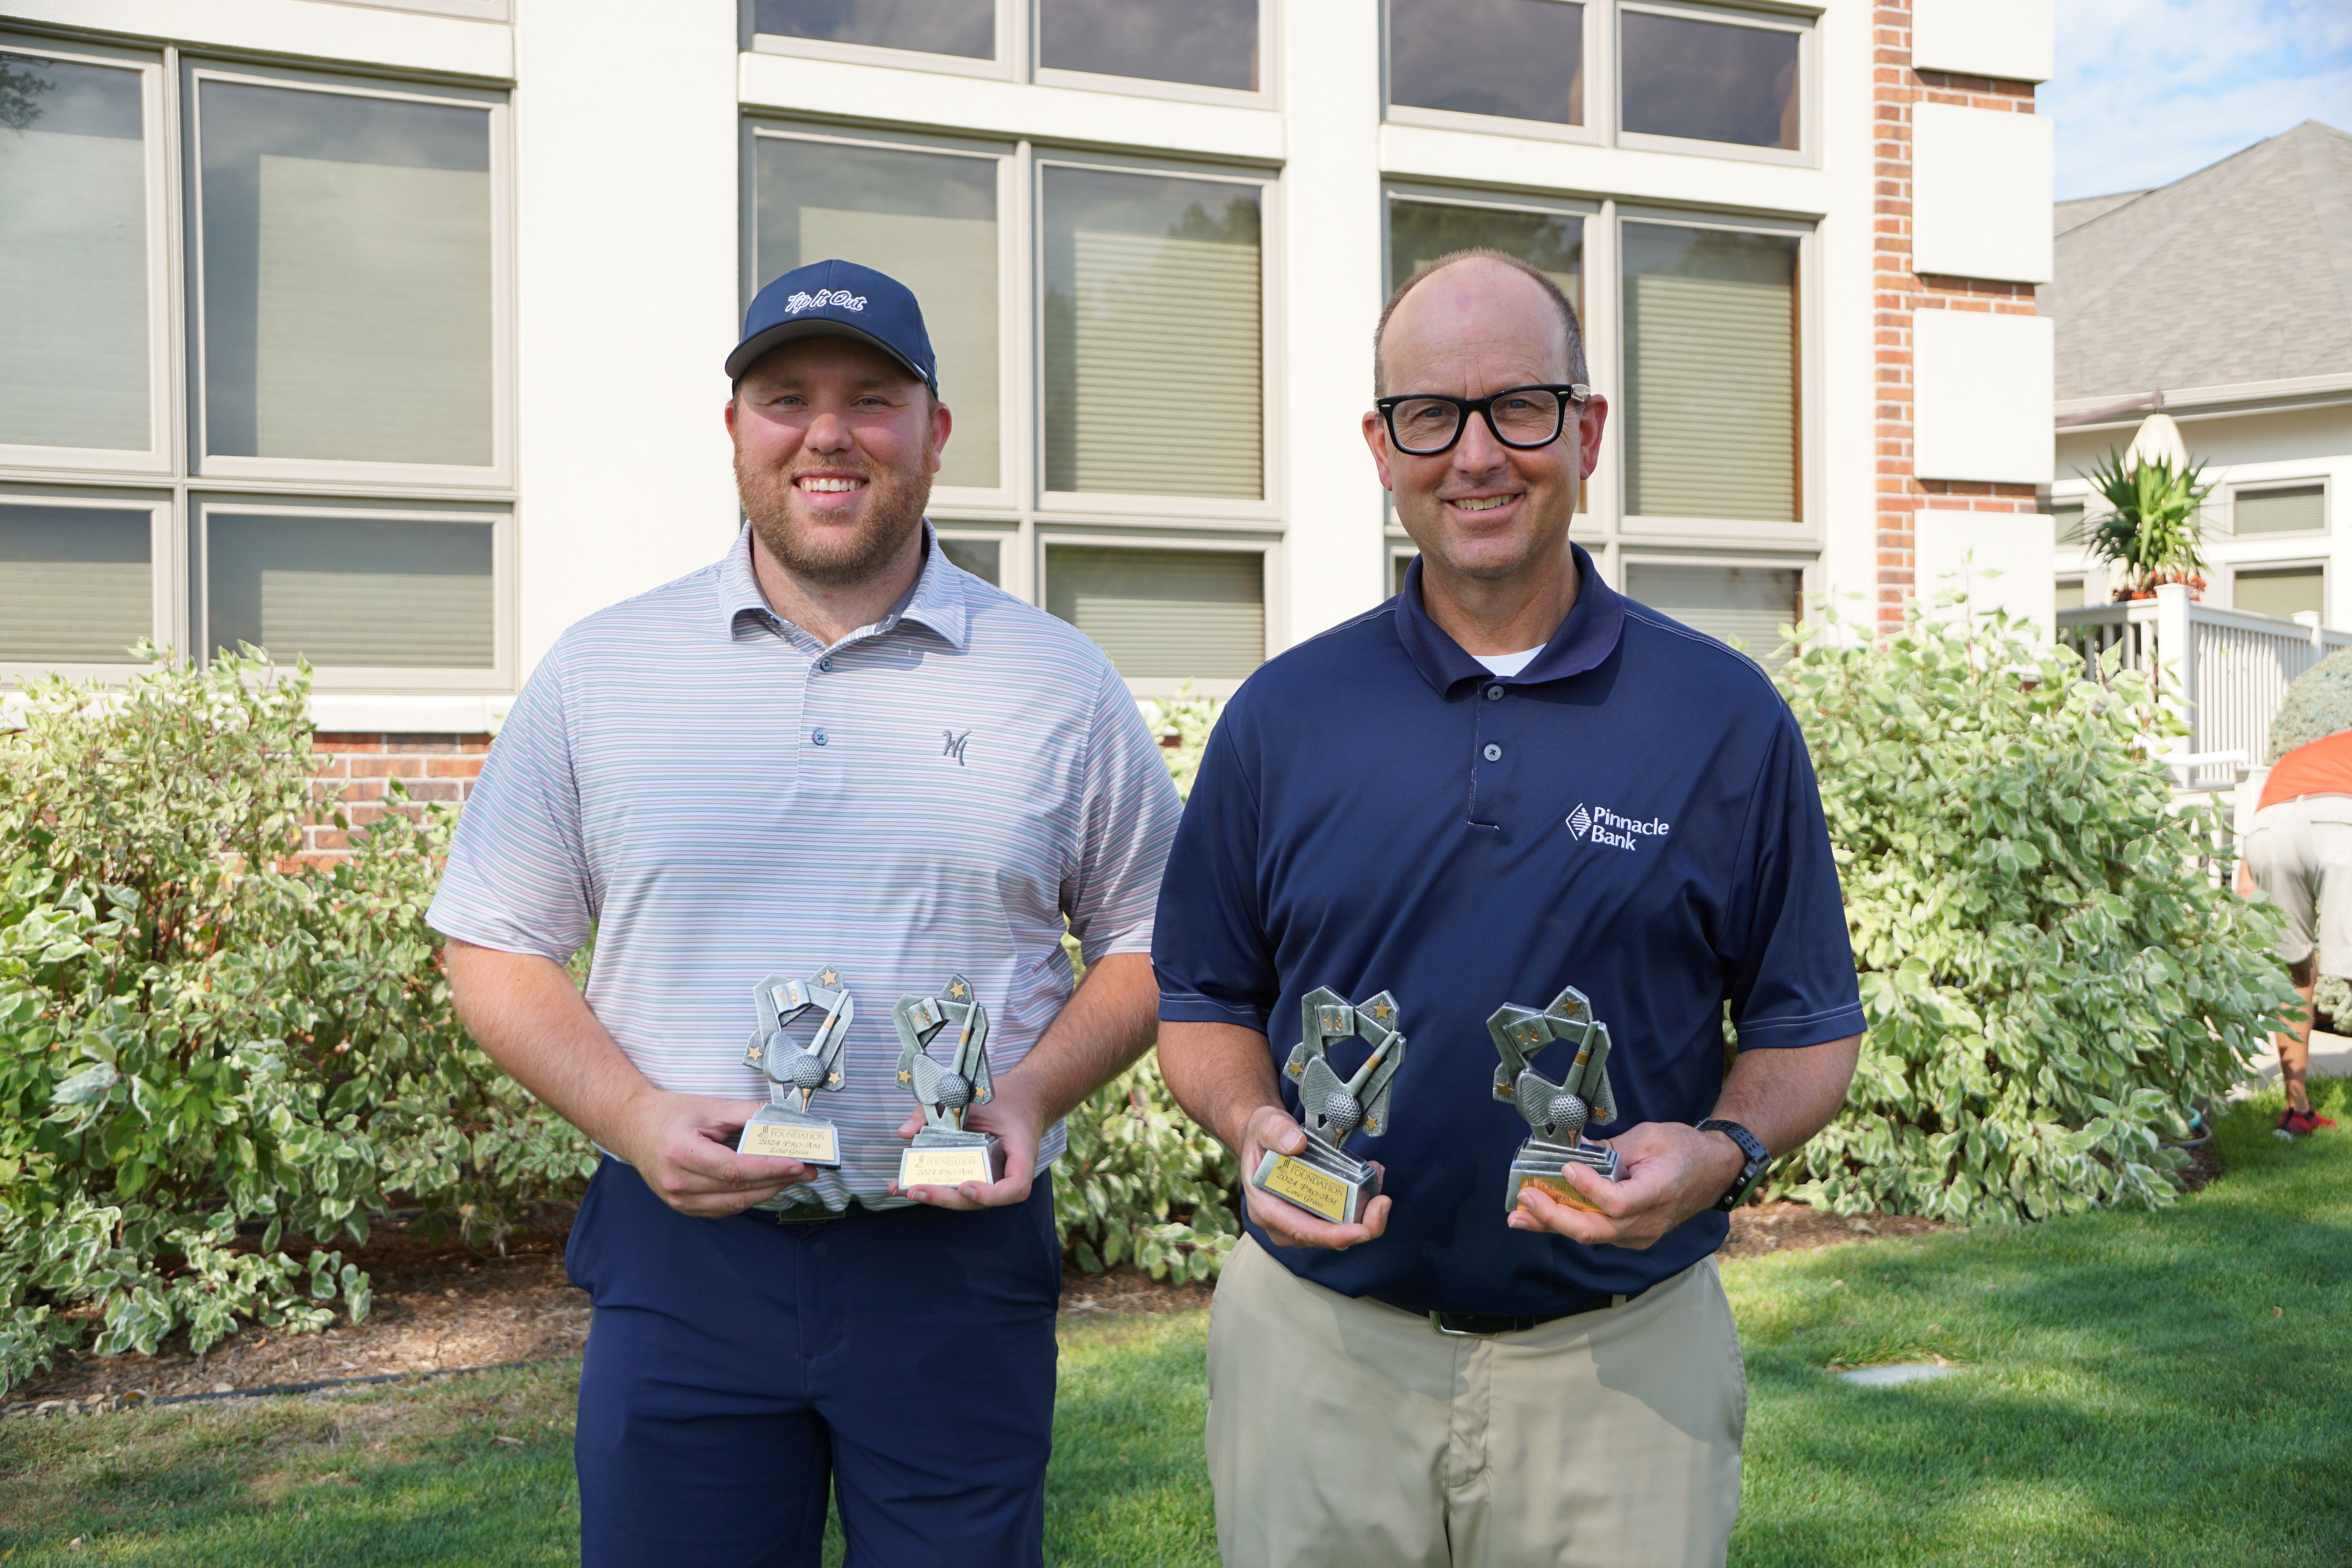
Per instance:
(842,299)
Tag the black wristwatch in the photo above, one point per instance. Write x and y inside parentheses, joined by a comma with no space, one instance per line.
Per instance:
(1758,1157)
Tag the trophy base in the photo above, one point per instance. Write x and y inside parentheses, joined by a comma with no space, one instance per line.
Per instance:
(1537,1163)
(782,1135)
(939,1159)
(1320,1179)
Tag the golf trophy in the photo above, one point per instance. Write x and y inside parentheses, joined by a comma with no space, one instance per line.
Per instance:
(945,1153)
(780,1130)
(1557,1113)
(1322,1178)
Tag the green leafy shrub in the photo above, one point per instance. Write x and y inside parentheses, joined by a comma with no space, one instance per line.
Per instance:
(2318,704)
(2051,976)
(1141,1184)
(217,1060)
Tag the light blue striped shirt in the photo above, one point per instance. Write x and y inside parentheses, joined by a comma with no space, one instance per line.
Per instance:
(719,797)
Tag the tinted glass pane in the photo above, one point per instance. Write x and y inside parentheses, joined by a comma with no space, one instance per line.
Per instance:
(75,585)
(1164,614)
(1213,43)
(1520,58)
(352,591)
(926,219)
(2070,593)
(73,256)
(1744,606)
(1152,380)
(347,291)
(2067,517)
(978,556)
(966,27)
(2300,509)
(1711,424)
(1712,80)
(2285,593)
(1421,232)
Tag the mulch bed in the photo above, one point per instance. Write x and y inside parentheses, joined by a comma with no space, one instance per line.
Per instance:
(1782,1226)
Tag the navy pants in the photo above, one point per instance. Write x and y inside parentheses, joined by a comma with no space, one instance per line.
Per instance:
(738,1369)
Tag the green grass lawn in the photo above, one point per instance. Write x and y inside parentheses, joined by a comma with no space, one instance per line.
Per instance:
(2135,1389)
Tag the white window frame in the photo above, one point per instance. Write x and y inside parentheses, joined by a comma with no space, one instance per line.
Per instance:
(500,676)
(1800,20)
(2289,564)
(1112,504)
(2258,487)
(499,473)
(1012,476)
(166,609)
(1018,58)
(1275,589)
(1803,531)
(1600,90)
(156,147)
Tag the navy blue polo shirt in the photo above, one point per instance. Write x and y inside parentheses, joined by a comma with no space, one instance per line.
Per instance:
(1633,815)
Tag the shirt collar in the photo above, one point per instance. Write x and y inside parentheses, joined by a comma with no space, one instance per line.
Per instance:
(936,601)
(1584,639)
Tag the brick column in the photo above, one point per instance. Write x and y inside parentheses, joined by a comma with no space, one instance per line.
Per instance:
(1901,292)
(429,767)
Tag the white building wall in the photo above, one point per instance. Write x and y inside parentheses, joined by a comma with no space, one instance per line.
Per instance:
(2008,38)
(1984,182)
(1983,396)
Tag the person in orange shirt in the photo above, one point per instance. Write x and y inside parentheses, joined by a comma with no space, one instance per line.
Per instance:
(2299,852)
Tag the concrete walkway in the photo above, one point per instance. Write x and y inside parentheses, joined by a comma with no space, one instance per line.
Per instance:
(2331,1056)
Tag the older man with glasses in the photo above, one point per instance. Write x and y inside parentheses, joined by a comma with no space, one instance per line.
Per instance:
(1507,785)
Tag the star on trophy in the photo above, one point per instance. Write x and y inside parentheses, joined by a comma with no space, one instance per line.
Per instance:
(780,1130)
(945,1154)
(1322,1178)
(1555,1113)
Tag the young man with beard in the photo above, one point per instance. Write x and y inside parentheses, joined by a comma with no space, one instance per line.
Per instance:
(830,754)
(1506,781)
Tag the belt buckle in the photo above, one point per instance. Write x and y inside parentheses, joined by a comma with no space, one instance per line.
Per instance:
(1437,1322)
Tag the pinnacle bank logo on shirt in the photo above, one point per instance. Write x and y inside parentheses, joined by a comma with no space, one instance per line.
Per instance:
(1605,827)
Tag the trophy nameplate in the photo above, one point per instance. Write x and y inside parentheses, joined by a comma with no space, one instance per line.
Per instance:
(1555,1113)
(945,1154)
(781,1130)
(1323,1178)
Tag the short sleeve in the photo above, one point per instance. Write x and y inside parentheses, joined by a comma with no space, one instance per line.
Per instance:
(1127,812)
(517,879)
(1211,951)
(1790,959)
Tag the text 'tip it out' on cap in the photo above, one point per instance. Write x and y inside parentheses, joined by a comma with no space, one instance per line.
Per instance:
(842,299)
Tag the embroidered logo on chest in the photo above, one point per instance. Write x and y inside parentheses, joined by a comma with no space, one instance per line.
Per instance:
(954,746)
(1600,826)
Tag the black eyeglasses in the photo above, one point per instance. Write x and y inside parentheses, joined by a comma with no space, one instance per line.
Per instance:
(1426,424)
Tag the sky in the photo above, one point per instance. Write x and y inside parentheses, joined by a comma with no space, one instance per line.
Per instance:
(2148,91)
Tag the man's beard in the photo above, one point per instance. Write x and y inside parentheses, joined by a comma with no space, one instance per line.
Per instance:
(894,510)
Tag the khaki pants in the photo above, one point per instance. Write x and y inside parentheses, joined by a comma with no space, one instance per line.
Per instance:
(1348,1433)
(2300,852)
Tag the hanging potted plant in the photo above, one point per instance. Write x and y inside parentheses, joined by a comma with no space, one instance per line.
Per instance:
(2151,530)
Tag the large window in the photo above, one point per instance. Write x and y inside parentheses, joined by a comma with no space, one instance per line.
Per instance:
(2279,509)
(1213,45)
(1711,361)
(1743,605)
(1707,77)
(1419,231)
(1517,59)
(2282,591)
(1164,614)
(344,491)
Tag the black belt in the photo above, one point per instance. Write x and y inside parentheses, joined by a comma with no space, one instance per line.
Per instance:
(1485,1325)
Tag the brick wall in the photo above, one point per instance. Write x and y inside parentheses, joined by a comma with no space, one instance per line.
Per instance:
(1902,292)
(430,767)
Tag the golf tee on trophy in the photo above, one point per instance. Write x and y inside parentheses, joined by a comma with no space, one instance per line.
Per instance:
(780,1129)
(945,1154)
(1322,1178)
(1555,1113)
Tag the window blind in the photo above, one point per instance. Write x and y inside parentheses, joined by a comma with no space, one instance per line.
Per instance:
(2068,517)
(76,585)
(1711,373)
(1163,613)
(2284,591)
(372,326)
(367,593)
(73,263)
(950,265)
(2301,509)
(1749,604)
(1552,243)
(1162,397)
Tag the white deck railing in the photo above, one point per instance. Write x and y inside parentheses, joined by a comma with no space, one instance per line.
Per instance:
(2229,668)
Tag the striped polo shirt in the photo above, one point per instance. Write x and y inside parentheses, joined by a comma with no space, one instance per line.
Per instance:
(718,796)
